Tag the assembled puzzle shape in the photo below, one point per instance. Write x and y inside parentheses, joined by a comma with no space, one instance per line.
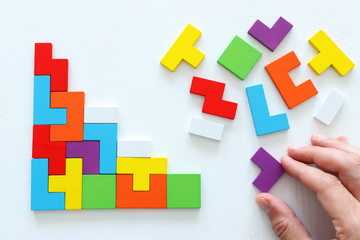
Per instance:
(330,108)
(270,37)
(329,55)
(271,170)
(75,162)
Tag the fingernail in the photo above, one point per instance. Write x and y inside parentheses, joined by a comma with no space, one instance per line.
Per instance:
(319,136)
(263,204)
(294,147)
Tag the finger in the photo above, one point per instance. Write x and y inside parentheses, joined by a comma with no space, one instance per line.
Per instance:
(320,140)
(340,205)
(346,165)
(284,222)
(343,139)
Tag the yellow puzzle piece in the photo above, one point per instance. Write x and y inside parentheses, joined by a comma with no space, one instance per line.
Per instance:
(70,183)
(183,49)
(141,168)
(329,54)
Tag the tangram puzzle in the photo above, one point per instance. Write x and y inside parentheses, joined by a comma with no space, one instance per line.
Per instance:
(78,162)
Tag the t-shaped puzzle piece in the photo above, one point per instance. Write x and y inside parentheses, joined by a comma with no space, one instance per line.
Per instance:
(329,55)
(183,49)
(271,170)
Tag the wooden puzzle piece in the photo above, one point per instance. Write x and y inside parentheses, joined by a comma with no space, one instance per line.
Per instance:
(54,151)
(74,129)
(56,68)
(239,57)
(213,92)
(106,133)
(43,114)
(101,115)
(271,170)
(70,183)
(292,95)
(134,149)
(330,108)
(89,152)
(206,128)
(263,122)
(41,199)
(99,191)
(329,55)
(183,49)
(270,37)
(141,168)
(183,191)
(154,198)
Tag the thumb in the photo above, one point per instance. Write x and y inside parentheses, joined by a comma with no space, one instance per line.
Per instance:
(286,225)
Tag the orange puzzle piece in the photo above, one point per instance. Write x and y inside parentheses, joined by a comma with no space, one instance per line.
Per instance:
(74,128)
(292,95)
(127,198)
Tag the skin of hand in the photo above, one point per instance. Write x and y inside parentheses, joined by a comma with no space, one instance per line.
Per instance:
(338,193)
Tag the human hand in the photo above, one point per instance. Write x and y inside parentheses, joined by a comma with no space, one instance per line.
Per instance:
(339,195)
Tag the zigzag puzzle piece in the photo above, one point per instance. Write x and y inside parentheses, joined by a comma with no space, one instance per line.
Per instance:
(271,170)
(263,122)
(270,37)
(56,68)
(213,92)
(89,151)
(278,72)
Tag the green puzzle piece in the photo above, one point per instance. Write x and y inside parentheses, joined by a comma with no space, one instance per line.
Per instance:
(239,57)
(183,191)
(99,191)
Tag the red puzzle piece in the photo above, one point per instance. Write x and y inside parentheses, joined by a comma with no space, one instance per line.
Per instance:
(213,92)
(54,151)
(56,68)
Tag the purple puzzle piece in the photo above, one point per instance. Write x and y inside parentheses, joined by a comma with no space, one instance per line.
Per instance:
(271,170)
(270,37)
(89,151)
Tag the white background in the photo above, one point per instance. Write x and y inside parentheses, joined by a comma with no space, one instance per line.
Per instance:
(114,50)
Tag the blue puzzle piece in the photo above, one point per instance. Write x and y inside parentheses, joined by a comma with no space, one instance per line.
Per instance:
(43,114)
(263,122)
(41,199)
(106,133)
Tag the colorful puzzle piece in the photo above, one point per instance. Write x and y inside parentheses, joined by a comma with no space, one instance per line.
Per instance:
(56,68)
(99,191)
(89,152)
(70,183)
(141,168)
(271,170)
(263,122)
(134,149)
(206,128)
(183,49)
(239,57)
(213,92)
(330,108)
(329,55)
(292,95)
(270,37)
(183,191)
(156,197)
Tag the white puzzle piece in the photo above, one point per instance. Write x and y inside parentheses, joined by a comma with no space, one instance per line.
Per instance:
(101,115)
(206,128)
(134,149)
(330,108)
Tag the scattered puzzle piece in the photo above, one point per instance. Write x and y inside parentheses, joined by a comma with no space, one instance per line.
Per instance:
(329,55)
(213,92)
(271,170)
(41,199)
(70,183)
(270,37)
(154,198)
(106,133)
(183,49)
(263,122)
(239,57)
(43,114)
(101,115)
(99,191)
(330,108)
(56,68)
(54,151)
(74,129)
(88,151)
(183,191)
(206,128)
(141,168)
(134,149)
(292,95)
